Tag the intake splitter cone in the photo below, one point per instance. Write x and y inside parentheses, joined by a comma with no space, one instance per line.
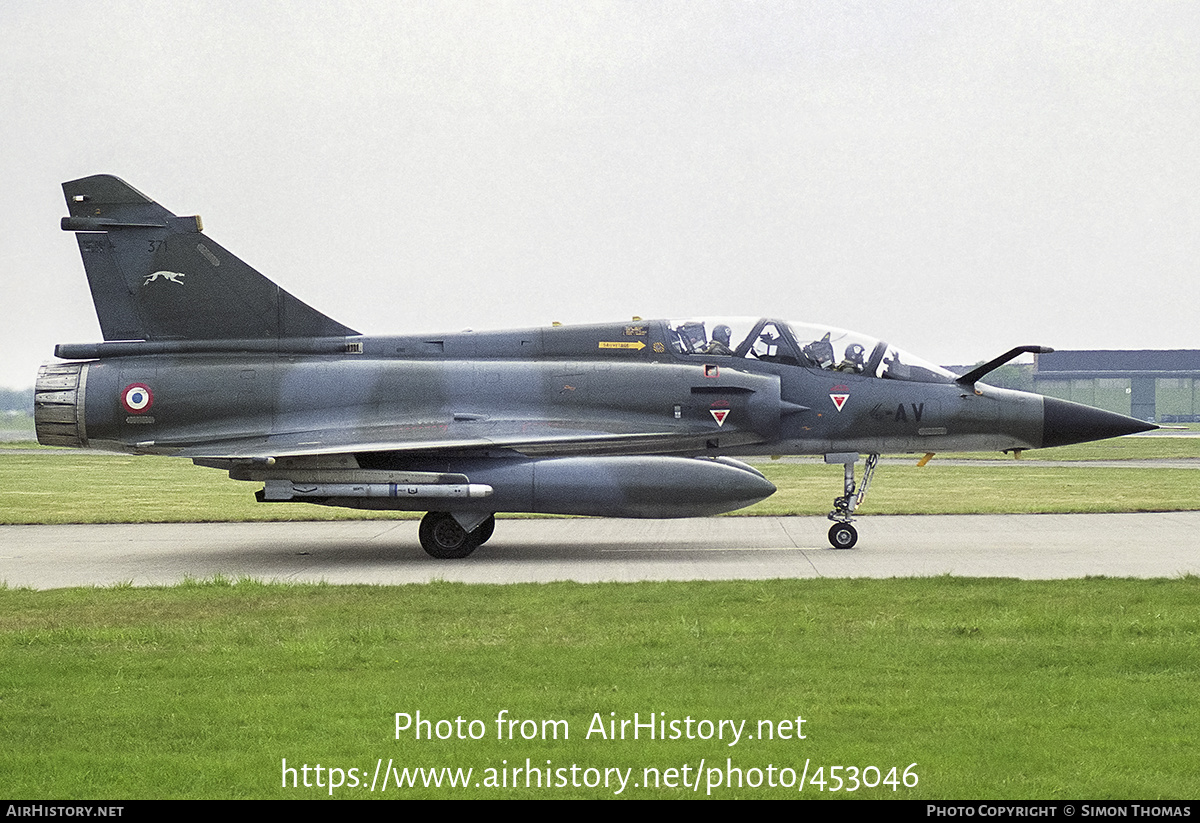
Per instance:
(1064,423)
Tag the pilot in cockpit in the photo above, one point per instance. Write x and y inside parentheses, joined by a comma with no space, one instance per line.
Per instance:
(854,360)
(719,345)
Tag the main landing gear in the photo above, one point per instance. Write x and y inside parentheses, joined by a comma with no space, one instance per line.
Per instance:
(443,537)
(841,534)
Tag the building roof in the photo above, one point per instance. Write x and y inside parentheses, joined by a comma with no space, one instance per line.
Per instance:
(1147,360)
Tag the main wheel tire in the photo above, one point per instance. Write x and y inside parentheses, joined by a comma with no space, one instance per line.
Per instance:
(443,538)
(842,536)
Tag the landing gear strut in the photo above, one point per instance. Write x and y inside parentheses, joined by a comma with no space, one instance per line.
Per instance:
(442,536)
(842,535)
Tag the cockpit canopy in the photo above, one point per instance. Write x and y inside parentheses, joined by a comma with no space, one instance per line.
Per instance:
(801,344)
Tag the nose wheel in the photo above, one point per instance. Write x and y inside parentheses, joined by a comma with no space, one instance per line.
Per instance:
(842,535)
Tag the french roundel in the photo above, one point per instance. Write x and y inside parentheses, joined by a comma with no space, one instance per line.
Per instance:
(137,398)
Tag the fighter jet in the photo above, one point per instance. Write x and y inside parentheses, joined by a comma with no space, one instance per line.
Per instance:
(205,358)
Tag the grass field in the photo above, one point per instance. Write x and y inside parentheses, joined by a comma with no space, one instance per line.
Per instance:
(89,487)
(995,689)
(992,688)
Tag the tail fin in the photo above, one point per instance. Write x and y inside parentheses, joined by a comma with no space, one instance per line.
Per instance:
(155,276)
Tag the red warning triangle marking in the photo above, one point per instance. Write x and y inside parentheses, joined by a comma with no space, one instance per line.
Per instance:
(719,415)
(839,400)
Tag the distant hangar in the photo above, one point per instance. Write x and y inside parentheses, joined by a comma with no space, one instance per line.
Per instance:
(1155,385)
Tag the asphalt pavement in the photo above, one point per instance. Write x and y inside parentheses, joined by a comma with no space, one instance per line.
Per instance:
(1041,546)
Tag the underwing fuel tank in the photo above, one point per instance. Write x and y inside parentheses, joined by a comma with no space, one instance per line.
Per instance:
(646,486)
(627,486)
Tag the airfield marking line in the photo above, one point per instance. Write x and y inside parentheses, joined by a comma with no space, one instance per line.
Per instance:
(772,549)
(804,550)
(395,524)
(783,525)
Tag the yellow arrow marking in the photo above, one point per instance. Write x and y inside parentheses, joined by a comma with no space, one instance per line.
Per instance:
(638,346)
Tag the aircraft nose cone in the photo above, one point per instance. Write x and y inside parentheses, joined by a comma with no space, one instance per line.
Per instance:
(1064,423)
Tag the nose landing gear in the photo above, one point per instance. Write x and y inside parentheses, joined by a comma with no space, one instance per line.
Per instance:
(842,535)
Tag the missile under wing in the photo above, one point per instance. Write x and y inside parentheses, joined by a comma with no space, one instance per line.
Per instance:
(205,358)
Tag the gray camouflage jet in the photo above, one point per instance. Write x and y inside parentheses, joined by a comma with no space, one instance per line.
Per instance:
(205,358)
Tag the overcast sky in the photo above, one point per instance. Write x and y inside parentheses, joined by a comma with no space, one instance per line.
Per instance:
(956,178)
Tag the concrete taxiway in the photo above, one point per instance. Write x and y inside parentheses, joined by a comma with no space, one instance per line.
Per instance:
(590,550)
